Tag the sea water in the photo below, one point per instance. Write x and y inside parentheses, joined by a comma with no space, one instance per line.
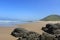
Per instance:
(11,23)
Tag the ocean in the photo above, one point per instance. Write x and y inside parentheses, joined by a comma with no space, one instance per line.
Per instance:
(10,23)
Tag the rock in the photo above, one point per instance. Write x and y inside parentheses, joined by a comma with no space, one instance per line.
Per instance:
(51,32)
(23,34)
(19,32)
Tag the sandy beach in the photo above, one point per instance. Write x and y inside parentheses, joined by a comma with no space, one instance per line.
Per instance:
(34,26)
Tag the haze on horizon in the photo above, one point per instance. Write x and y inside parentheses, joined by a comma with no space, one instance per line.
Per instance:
(29,9)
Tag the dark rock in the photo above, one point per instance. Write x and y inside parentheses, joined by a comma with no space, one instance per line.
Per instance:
(23,34)
(51,32)
(19,32)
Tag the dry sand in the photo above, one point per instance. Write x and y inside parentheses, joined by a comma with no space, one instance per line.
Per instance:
(35,26)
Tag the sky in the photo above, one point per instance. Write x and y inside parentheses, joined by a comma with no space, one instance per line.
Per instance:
(29,9)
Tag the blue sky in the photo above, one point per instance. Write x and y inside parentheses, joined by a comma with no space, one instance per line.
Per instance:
(29,9)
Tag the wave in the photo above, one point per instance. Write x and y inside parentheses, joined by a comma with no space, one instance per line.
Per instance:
(10,23)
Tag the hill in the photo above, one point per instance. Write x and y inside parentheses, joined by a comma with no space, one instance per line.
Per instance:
(51,18)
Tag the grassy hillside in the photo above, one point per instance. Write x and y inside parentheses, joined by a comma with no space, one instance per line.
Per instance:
(51,18)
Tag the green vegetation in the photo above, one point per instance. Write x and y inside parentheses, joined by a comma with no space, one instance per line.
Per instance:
(51,18)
